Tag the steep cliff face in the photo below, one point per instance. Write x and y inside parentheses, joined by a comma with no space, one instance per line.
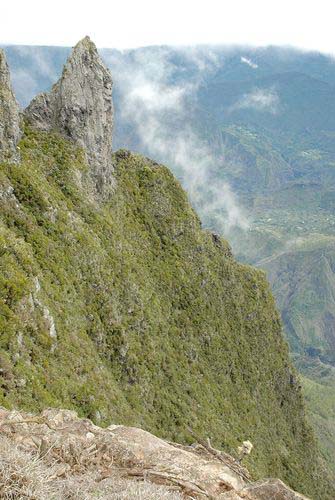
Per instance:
(80,107)
(129,312)
(9,115)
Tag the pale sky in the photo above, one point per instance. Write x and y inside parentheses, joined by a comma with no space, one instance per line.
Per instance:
(306,24)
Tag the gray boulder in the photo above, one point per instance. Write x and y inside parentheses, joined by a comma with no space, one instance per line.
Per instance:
(80,107)
(271,489)
(10,132)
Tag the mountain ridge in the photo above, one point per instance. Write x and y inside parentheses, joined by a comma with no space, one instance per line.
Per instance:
(126,309)
(277,219)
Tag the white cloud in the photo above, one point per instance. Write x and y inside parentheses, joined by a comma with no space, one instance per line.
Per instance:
(155,97)
(24,85)
(204,58)
(249,62)
(27,77)
(266,100)
(148,101)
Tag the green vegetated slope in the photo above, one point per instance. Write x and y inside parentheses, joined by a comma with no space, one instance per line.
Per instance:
(129,312)
(292,237)
(287,186)
(318,384)
(292,227)
(265,115)
(303,280)
(304,284)
(320,401)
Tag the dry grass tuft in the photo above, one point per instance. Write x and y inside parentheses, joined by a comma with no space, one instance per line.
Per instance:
(24,475)
(28,476)
(115,488)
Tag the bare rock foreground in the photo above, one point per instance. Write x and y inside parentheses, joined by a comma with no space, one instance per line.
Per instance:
(57,455)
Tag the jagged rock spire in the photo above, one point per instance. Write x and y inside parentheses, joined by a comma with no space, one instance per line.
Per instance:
(9,115)
(80,107)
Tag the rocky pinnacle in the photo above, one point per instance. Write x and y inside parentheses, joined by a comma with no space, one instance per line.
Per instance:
(80,107)
(9,115)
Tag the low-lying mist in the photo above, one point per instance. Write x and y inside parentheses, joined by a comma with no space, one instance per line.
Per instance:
(154,107)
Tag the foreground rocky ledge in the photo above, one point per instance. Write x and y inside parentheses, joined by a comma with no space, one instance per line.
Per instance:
(56,455)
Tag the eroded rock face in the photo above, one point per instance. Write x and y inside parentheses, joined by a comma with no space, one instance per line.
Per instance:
(9,115)
(80,107)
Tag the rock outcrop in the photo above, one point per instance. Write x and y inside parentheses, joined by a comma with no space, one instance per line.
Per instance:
(75,454)
(9,115)
(271,489)
(80,107)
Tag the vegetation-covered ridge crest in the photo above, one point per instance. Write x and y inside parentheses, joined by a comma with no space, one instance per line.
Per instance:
(128,311)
